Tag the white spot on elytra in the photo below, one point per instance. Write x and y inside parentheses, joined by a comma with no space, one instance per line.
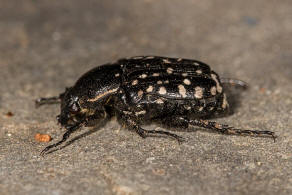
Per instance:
(219,87)
(184,74)
(117,75)
(140,112)
(149,89)
(159,82)
(166,61)
(188,107)
(213,90)
(224,103)
(196,63)
(127,112)
(162,90)
(201,108)
(135,82)
(140,93)
(143,76)
(199,71)
(187,81)
(179,59)
(166,82)
(169,70)
(211,108)
(182,91)
(155,74)
(198,92)
(159,101)
(150,57)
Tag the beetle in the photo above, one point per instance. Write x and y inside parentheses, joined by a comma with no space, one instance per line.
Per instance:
(175,92)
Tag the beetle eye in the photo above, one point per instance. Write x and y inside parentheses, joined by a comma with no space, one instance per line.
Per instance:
(74,108)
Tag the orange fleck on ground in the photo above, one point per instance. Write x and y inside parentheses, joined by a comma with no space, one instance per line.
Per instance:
(42,137)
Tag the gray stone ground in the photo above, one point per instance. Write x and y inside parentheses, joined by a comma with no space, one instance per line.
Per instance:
(46,45)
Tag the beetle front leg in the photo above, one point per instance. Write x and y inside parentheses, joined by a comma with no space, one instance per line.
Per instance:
(66,135)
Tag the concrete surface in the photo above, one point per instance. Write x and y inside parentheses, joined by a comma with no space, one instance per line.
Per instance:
(46,45)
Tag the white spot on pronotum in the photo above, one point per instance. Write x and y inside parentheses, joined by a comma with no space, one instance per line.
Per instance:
(196,63)
(199,71)
(159,101)
(140,93)
(182,91)
(149,89)
(169,70)
(155,74)
(103,94)
(162,90)
(117,75)
(213,90)
(140,112)
(187,81)
(138,57)
(143,76)
(135,82)
(159,82)
(184,74)
(224,103)
(219,87)
(198,92)
(166,61)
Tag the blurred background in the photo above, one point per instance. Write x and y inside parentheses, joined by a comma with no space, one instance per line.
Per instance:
(46,45)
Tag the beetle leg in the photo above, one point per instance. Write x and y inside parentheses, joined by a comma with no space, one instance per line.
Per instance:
(224,129)
(130,122)
(234,82)
(50,100)
(66,135)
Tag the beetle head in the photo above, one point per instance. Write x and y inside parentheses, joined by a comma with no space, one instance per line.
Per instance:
(76,110)
(70,109)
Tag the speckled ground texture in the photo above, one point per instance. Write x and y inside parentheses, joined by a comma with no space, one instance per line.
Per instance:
(46,45)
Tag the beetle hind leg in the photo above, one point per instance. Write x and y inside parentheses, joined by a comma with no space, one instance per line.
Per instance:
(221,128)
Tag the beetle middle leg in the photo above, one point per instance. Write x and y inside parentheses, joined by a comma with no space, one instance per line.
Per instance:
(132,123)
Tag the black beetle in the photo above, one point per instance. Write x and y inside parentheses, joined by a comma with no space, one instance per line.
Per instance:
(173,91)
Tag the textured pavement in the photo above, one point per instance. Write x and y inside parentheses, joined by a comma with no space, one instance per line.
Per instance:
(46,45)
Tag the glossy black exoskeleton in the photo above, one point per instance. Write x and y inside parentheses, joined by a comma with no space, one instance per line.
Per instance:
(173,91)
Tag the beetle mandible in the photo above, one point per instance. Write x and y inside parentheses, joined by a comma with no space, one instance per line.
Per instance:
(173,91)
